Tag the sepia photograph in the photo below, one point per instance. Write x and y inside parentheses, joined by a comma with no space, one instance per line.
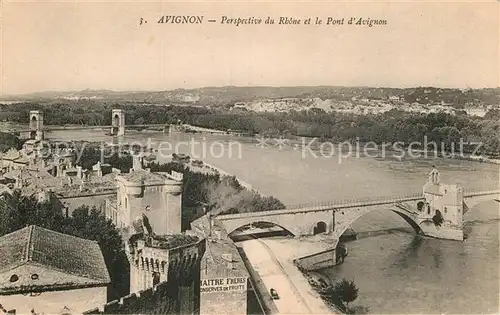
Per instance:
(243,157)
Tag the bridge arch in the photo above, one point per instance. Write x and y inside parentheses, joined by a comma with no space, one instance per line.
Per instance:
(477,202)
(298,223)
(344,219)
(258,224)
(116,120)
(320,227)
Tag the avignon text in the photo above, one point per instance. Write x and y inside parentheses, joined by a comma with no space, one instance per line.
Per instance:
(181,19)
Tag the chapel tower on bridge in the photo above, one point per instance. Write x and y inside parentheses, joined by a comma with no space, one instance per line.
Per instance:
(442,210)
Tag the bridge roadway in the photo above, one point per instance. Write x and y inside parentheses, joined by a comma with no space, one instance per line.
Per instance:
(86,127)
(294,291)
(344,204)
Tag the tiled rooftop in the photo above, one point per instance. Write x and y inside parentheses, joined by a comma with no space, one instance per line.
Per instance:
(79,259)
(216,248)
(172,241)
(12,154)
(146,176)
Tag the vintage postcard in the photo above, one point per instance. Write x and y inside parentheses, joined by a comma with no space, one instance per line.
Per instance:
(241,157)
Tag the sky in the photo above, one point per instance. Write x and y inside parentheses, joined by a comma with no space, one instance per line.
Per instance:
(75,45)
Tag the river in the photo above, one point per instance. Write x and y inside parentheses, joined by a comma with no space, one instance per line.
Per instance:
(395,272)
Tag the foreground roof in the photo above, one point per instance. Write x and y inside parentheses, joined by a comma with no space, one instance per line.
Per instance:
(79,261)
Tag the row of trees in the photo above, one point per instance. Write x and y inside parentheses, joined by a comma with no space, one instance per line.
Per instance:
(89,155)
(8,141)
(387,127)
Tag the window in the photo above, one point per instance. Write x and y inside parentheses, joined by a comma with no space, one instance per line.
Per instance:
(428,209)
(445,210)
(420,205)
(34,276)
(156,278)
(126,202)
(14,278)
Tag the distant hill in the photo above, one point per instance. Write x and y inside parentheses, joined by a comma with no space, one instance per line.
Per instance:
(228,95)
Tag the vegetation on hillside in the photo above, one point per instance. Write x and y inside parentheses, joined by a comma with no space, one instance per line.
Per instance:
(219,194)
(388,127)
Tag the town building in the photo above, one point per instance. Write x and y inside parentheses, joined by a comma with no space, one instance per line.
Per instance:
(142,193)
(44,271)
(224,277)
(37,169)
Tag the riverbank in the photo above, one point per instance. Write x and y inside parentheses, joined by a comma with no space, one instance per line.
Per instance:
(370,148)
(222,172)
(380,150)
(325,288)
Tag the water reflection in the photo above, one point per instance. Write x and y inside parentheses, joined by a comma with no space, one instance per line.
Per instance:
(406,257)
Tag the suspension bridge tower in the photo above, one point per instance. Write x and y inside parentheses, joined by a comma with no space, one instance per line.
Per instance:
(117,122)
(36,125)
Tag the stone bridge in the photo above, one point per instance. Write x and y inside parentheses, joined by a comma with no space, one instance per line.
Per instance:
(309,220)
(437,212)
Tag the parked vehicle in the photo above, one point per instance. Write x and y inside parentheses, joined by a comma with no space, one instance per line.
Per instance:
(274,294)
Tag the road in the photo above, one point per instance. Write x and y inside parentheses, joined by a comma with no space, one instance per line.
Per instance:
(273,276)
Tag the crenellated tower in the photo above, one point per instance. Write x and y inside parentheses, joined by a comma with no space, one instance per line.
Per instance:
(164,274)
(154,195)
(174,259)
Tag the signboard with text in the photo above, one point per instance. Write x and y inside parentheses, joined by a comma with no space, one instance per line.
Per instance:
(238,284)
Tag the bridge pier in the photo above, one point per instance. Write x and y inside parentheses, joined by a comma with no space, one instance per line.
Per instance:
(440,215)
(117,122)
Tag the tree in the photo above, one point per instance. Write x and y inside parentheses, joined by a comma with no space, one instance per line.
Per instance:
(139,121)
(90,223)
(8,141)
(346,291)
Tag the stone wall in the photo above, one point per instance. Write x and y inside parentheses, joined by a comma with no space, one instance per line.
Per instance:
(317,261)
(52,302)
(160,299)
(97,200)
